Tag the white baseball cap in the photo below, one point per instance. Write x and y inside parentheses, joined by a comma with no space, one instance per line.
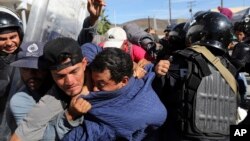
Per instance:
(115,37)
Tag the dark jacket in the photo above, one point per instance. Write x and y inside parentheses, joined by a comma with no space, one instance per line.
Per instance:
(87,32)
(9,83)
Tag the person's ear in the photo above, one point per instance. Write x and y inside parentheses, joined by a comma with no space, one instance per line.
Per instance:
(125,80)
(125,46)
(84,62)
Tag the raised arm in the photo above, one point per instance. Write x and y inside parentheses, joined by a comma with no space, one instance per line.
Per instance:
(89,29)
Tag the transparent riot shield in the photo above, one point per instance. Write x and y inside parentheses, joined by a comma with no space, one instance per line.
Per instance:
(50,19)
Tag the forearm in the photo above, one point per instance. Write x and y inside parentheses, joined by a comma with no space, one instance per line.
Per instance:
(89,30)
(64,125)
(34,124)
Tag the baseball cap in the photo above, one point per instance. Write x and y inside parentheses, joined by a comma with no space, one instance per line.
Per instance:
(115,37)
(90,50)
(30,56)
(58,50)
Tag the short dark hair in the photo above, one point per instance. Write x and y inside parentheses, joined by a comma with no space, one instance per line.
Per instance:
(118,62)
(238,26)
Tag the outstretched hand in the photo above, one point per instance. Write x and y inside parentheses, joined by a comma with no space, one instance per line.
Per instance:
(95,9)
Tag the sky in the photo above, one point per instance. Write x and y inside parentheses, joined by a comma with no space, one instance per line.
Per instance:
(120,11)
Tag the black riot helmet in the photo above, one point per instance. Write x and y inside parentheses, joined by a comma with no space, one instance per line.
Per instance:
(186,26)
(245,22)
(211,29)
(240,55)
(9,20)
(178,34)
(177,37)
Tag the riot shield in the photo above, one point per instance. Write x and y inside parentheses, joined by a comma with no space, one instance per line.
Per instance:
(50,19)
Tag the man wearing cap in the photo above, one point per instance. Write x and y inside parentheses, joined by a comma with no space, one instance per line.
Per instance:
(61,100)
(117,37)
(36,78)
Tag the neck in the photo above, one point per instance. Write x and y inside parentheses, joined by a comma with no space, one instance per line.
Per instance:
(85,90)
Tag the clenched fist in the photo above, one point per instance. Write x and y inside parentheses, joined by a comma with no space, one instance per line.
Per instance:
(78,106)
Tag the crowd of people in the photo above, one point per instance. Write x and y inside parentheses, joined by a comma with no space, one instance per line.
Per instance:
(189,85)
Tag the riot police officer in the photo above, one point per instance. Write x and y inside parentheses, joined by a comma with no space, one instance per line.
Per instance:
(11,35)
(190,81)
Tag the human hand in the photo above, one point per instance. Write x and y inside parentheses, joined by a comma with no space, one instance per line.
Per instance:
(143,62)
(139,72)
(231,45)
(78,106)
(162,67)
(95,9)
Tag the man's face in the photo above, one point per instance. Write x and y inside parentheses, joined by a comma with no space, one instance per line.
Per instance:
(9,42)
(33,78)
(240,35)
(102,81)
(70,79)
